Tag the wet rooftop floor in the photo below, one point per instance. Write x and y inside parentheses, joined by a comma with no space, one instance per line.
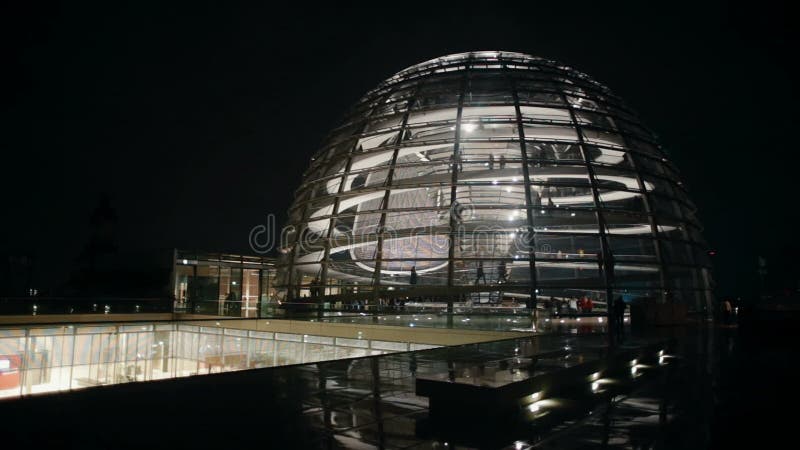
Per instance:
(719,389)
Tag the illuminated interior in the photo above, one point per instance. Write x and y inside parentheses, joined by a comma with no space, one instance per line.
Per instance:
(40,359)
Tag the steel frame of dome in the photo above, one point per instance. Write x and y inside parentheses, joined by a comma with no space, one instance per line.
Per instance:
(493,172)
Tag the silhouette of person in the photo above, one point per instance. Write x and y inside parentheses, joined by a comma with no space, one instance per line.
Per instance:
(501,272)
(458,212)
(619,315)
(481,273)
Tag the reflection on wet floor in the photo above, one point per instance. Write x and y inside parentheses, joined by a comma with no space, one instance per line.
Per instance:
(371,403)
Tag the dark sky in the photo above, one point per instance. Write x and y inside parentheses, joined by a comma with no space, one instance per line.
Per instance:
(199,120)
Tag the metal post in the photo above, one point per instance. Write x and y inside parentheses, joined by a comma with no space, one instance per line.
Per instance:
(531,233)
(455,227)
(605,262)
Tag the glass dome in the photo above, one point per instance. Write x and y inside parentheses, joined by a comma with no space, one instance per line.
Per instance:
(489,177)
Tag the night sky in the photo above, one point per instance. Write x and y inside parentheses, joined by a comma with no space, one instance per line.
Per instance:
(198,121)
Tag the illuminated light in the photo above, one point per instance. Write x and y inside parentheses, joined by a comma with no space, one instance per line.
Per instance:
(633,370)
(494,181)
(600,319)
(185,261)
(562,320)
(547,320)
(661,360)
(578,319)
(517,445)
(469,127)
(535,396)
(595,376)
(572,214)
(514,179)
(411,324)
(595,386)
(508,189)
(634,362)
(661,353)
(539,405)
(543,211)
(512,235)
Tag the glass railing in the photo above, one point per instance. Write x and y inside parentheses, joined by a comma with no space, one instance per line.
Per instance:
(79,305)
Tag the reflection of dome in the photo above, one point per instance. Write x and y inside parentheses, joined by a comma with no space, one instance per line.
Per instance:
(532,168)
